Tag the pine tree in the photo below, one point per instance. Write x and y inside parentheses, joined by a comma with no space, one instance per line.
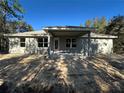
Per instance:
(116,27)
(102,25)
(9,10)
(96,22)
(88,23)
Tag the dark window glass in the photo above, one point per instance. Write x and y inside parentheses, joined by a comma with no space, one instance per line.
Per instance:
(22,39)
(22,42)
(56,44)
(73,45)
(67,45)
(40,44)
(45,39)
(40,39)
(70,43)
(45,44)
(73,42)
(68,40)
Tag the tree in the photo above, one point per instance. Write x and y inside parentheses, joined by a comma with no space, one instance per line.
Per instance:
(88,23)
(30,28)
(116,27)
(102,25)
(9,10)
(96,22)
(18,26)
(10,15)
(24,27)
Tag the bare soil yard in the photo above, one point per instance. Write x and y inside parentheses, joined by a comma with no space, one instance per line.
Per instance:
(68,74)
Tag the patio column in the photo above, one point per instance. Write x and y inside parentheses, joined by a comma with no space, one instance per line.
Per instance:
(89,43)
(49,48)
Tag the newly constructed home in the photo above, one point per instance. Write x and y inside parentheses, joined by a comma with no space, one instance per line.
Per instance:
(61,39)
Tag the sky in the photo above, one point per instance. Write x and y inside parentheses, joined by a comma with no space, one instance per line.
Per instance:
(41,13)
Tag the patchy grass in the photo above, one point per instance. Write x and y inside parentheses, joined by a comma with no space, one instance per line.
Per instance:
(68,74)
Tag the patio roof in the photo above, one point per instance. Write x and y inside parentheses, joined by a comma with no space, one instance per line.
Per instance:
(68,30)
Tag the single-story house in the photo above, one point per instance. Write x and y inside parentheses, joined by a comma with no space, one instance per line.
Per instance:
(61,39)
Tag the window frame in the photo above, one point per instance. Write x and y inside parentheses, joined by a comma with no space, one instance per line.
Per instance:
(71,43)
(74,43)
(40,42)
(22,42)
(43,42)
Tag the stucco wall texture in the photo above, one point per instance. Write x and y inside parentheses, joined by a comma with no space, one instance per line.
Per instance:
(103,46)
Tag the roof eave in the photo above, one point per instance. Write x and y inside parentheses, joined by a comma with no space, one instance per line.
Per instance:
(69,29)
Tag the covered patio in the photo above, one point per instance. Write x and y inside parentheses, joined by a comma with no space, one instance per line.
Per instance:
(67,39)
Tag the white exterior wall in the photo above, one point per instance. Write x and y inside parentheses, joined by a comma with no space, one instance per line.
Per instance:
(103,46)
(31,46)
(14,45)
(97,46)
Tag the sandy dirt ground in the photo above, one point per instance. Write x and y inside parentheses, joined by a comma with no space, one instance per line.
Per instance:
(63,74)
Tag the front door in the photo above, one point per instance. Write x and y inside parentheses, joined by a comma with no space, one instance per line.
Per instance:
(56,43)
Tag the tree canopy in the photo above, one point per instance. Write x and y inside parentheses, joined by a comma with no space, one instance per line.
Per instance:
(116,27)
(88,23)
(99,23)
(11,8)
(11,15)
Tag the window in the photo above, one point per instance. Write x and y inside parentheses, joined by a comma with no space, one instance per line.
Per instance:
(22,42)
(40,42)
(73,42)
(70,43)
(43,42)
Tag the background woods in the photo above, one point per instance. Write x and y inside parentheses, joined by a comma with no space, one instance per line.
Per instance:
(11,16)
(99,23)
(114,26)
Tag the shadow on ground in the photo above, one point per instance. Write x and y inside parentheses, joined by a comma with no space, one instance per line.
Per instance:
(63,74)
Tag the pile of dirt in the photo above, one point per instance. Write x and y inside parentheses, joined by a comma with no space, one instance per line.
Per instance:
(68,74)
